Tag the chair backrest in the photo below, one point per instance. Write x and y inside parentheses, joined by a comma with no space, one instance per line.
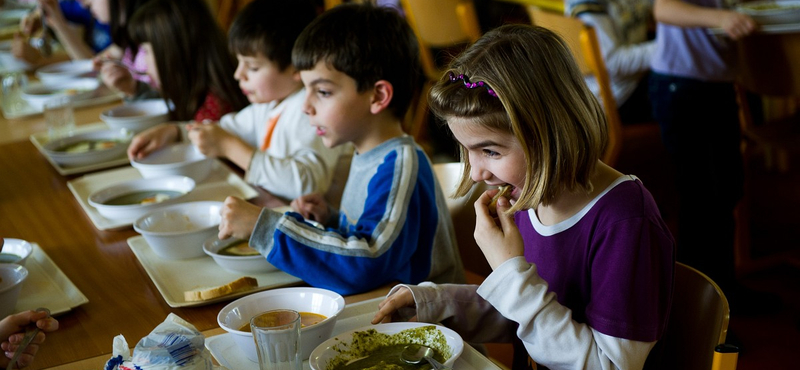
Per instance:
(698,322)
(582,41)
(440,24)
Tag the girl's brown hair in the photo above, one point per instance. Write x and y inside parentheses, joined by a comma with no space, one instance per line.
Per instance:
(191,54)
(541,100)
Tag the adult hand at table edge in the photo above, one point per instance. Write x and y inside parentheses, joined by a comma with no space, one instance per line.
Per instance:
(237,218)
(387,309)
(12,331)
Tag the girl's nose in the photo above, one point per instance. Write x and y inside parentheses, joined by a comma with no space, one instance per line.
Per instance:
(478,172)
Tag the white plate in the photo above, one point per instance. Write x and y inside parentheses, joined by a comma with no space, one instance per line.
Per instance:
(354,316)
(47,286)
(217,186)
(173,277)
(39,139)
(767,28)
(65,70)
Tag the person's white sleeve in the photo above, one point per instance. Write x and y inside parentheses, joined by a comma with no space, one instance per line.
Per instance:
(243,123)
(621,60)
(551,337)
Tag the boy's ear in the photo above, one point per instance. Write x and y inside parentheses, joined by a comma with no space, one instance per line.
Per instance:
(382,93)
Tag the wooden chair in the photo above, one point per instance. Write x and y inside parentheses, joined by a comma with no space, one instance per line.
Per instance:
(583,43)
(697,327)
(439,24)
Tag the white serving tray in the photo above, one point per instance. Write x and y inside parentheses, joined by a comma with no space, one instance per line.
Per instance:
(173,277)
(354,316)
(14,106)
(47,286)
(39,139)
(766,28)
(219,184)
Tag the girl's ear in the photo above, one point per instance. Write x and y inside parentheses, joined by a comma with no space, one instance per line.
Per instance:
(382,94)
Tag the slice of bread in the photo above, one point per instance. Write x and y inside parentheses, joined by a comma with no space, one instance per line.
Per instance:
(203,294)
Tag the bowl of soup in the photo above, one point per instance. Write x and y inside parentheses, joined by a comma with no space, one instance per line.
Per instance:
(236,255)
(177,232)
(136,116)
(72,69)
(11,278)
(89,148)
(15,251)
(36,94)
(318,308)
(373,344)
(132,199)
(182,159)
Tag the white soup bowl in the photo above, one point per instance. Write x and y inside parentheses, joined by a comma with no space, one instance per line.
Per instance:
(175,160)
(177,232)
(177,185)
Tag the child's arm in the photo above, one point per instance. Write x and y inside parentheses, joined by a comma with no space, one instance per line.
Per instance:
(214,141)
(152,139)
(683,14)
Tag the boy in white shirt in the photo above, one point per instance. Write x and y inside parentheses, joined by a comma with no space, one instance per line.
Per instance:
(271,139)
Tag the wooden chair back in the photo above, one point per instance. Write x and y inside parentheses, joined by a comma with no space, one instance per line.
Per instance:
(698,323)
(582,41)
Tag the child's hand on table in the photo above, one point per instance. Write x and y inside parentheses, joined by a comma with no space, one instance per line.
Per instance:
(151,140)
(737,25)
(312,207)
(238,218)
(498,241)
(401,298)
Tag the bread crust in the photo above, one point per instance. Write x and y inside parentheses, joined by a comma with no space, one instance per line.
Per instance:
(203,294)
(493,204)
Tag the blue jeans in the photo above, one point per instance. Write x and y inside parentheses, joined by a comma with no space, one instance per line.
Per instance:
(700,130)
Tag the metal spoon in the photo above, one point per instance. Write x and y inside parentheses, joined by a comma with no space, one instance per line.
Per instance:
(30,333)
(415,354)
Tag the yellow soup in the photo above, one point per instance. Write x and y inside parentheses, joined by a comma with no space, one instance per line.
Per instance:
(306,319)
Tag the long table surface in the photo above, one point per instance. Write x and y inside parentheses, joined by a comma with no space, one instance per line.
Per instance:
(36,205)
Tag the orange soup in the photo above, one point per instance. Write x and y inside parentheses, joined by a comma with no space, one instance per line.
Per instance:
(306,319)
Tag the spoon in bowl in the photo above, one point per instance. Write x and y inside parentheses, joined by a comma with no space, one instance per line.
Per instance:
(416,354)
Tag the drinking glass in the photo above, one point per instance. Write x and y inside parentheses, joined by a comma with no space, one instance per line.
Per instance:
(13,83)
(277,337)
(59,117)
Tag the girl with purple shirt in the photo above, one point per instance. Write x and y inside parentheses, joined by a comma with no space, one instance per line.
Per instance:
(582,261)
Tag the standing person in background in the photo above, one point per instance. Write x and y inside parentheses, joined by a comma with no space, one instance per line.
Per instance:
(694,102)
(622,31)
(81,35)
(119,77)
(187,59)
(582,261)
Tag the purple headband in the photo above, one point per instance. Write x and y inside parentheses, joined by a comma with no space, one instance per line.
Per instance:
(471,85)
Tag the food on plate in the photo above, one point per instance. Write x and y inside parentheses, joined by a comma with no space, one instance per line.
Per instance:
(143,197)
(241,284)
(85,146)
(493,204)
(274,318)
(771,5)
(9,258)
(242,248)
(372,349)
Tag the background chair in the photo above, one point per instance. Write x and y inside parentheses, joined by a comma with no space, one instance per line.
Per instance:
(698,324)
(582,41)
(440,25)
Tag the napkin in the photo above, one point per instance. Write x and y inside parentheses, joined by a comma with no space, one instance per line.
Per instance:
(173,344)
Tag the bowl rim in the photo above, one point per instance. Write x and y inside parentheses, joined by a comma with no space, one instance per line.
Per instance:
(104,115)
(54,69)
(137,164)
(92,199)
(19,269)
(170,207)
(125,137)
(747,7)
(281,291)
(209,244)
(322,347)
(18,243)
(60,85)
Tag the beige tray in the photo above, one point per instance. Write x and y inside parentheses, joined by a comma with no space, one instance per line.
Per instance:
(47,286)
(39,139)
(216,187)
(173,277)
(15,107)
(354,316)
